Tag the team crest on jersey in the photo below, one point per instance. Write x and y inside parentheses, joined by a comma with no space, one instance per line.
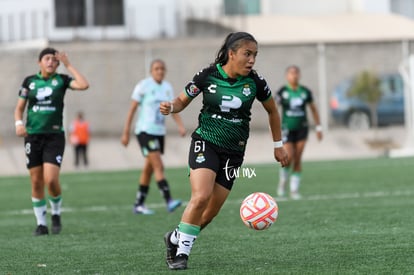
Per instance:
(54,82)
(59,159)
(32,86)
(246,90)
(303,95)
(200,158)
(285,95)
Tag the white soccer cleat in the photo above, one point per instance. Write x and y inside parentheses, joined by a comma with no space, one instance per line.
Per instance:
(295,196)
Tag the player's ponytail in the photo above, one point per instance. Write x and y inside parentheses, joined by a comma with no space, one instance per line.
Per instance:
(232,42)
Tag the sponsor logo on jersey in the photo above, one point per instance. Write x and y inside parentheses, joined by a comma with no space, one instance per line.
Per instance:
(246,90)
(32,85)
(212,88)
(42,93)
(200,158)
(37,108)
(193,90)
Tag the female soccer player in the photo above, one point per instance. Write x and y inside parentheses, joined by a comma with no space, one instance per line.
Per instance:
(229,87)
(294,98)
(150,131)
(43,132)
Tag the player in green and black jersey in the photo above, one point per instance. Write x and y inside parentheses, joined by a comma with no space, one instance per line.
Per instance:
(44,139)
(294,98)
(229,87)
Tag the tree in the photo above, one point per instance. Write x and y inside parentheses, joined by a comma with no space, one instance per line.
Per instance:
(367,88)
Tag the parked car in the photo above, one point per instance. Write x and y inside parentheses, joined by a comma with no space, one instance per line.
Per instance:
(355,114)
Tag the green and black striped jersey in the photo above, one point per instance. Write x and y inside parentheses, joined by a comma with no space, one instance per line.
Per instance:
(293,104)
(45,102)
(225,116)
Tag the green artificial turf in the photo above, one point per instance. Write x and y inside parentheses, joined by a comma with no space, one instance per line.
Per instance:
(356,217)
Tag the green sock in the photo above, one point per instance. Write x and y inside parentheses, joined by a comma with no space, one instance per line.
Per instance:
(55,204)
(187,235)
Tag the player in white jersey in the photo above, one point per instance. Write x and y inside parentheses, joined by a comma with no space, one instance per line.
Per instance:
(150,131)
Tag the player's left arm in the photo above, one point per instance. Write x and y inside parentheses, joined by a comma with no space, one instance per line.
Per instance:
(275,127)
(316,119)
(79,82)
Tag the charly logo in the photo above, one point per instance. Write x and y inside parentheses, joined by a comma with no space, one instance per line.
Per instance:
(212,88)
(200,158)
(233,172)
(246,90)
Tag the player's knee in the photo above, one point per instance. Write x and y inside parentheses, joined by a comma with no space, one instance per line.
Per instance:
(199,202)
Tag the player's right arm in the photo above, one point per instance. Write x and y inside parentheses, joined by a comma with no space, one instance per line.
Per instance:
(192,89)
(18,117)
(127,127)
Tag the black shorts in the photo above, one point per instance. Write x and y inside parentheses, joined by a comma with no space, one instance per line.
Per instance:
(41,148)
(295,135)
(150,143)
(223,162)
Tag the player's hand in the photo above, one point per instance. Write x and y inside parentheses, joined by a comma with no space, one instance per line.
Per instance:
(21,131)
(165,108)
(125,139)
(63,57)
(281,156)
(319,135)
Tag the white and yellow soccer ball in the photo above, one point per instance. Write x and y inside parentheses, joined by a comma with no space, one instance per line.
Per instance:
(259,211)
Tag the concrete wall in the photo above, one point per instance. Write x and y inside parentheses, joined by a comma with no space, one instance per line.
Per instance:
(113,69)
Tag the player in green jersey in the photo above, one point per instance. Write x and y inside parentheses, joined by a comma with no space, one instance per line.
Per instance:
(229,87)
(294,98)
(43,133)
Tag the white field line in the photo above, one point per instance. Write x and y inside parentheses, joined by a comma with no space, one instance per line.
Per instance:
(343,196)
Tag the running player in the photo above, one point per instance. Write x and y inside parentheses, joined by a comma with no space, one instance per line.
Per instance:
(229,87)
(43,133)
(150,131)
(294,98)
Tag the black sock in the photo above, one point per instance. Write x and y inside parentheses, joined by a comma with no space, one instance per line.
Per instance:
(165,189)
(141,195)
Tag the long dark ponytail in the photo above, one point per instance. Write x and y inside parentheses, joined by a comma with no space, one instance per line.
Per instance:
(232,42)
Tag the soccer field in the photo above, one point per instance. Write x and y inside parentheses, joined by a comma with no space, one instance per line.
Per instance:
(356,217)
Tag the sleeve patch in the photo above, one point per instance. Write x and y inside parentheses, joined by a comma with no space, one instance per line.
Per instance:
(192,90)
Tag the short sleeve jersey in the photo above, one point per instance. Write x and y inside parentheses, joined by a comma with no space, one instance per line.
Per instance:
(45,102)
(225,116)
(293,104)
(150,94)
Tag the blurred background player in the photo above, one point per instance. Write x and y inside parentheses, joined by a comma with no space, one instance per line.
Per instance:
(294,97)
(229,88)
(150,131)
(43,133)
(79,138)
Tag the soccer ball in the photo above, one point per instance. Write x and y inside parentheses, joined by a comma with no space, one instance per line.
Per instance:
(258,211)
